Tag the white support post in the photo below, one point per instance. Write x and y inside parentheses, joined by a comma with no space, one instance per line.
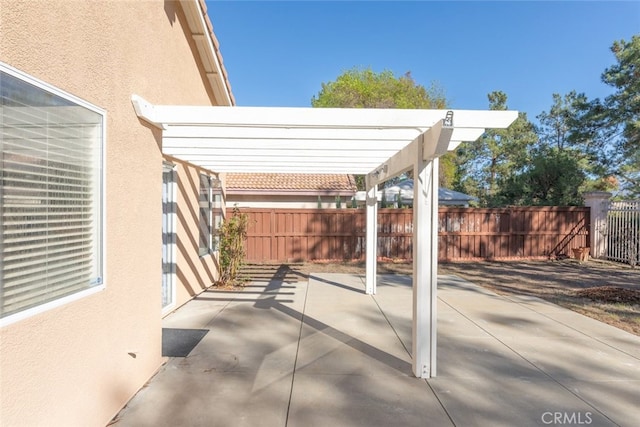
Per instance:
(598,203)
(433,193)
(372,240)
(425,268)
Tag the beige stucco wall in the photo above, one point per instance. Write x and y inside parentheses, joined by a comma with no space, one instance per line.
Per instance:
(193,273)
(71,366)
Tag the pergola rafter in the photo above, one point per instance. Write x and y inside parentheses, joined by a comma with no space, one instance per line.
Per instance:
(378,143)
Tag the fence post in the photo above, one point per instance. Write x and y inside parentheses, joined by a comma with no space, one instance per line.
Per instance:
(598,203)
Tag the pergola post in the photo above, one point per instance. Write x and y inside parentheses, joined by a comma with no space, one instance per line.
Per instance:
(425,267)
(372,240)
(421,155)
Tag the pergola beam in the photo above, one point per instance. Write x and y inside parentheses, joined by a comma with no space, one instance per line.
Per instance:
(300,117)
(258,136)
(397,164)
(433,143)
(436,141)
(344,156)
(266,133)
(319,169)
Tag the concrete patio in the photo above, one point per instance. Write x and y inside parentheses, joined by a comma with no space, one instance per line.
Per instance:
(322,353)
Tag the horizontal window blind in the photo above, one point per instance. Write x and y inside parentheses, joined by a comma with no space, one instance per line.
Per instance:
(50,196)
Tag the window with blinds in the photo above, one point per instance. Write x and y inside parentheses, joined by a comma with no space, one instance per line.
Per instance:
(51,188)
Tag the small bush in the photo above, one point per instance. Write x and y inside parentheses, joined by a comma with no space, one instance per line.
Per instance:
(233,234)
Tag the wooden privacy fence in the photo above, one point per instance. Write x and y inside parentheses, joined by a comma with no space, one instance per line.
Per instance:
(511,233)
(465,234)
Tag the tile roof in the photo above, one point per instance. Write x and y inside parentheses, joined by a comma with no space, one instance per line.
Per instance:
(289,182)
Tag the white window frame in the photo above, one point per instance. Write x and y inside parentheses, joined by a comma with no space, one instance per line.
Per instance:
(170,191)
(213,222)
(217,214)
(32,311)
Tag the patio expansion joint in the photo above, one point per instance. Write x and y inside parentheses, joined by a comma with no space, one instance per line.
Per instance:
(575,329)
(444,408)
(208,325)
(295,363)
(586,402)
(373,297)
(442,405)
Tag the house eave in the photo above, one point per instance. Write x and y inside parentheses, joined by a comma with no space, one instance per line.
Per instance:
(209,50)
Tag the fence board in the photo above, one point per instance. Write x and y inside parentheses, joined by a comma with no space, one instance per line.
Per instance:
(464,234)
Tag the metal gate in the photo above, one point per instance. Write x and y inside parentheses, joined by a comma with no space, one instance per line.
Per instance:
(623,231)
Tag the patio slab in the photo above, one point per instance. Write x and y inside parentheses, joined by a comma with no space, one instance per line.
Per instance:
(179,397)
(508,402)
(364,400)
(322,352)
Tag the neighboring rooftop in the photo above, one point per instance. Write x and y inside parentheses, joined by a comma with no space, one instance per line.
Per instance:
(290,183)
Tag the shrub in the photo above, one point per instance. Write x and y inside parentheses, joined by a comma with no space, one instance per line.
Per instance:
(233,233)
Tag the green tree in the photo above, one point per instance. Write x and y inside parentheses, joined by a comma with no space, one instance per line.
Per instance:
(487,164)
(562,129)
(610,128)
(623,111)
(553,177)
(365,88)
(558,125)
(448,170)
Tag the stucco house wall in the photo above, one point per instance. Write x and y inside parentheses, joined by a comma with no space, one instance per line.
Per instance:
(193,273)
(78,364)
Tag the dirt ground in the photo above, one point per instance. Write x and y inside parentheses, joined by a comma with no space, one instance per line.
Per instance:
(609,292)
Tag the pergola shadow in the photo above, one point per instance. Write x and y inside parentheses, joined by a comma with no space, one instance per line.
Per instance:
(271,302)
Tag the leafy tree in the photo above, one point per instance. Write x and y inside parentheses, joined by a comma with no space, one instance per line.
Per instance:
(583,145)
(485,165)
(557,126)
(624,104)
(609,129)
(563,129)
(552,178)
(623,110)
(448,170)
(364,88)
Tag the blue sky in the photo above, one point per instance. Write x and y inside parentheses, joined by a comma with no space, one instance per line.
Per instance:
(279,53)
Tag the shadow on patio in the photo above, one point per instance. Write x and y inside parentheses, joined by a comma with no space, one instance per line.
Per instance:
(323,353)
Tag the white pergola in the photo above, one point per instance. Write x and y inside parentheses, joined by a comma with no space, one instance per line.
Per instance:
(378,143)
